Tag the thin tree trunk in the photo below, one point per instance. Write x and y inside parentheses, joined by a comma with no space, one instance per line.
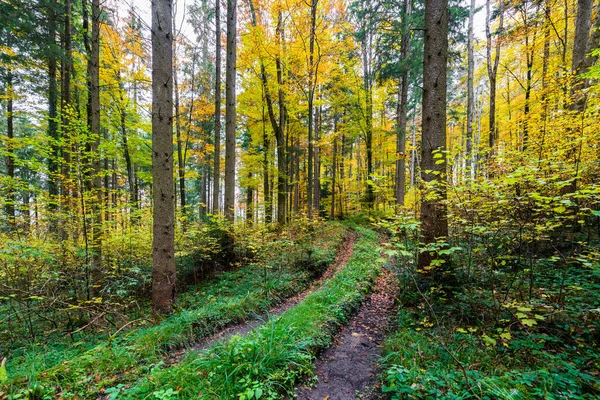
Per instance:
(163,242)
(249,201)
(66,101)
(96,181)
(492,68)
(316,164)
(217,151)
(311,95)
(470,93)
(401,116)
(334,170)
(180,160)
(10,152)
(53,160)
(230,111)
(368,86)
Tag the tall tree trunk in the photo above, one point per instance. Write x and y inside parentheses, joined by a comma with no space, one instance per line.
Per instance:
(282,164)
(65,103)
(334,170)
(311,96)
(434,220)
(230,111)
(217,151)
(470,94)
(316,164)
(125,143)
(249,201)
(163,242)
(265,165)
(94,180)
(492,69)
(368,86)
(10,152)
(53,160)
(180,160)
(582,60)
(401,115)
(278,125)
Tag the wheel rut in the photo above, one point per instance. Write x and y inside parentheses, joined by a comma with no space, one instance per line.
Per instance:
(348,369)
(343,255)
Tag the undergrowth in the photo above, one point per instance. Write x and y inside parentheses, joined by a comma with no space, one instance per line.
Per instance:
(101,361)
(523,321)
(272,359)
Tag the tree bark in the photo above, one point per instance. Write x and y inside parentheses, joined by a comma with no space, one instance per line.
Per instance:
(163,243)
(368,86)
(53,160)
(492,68)
(10,152)
(311,95)
(401,114)
(582,60)
(217,153)
(434,221)
(180,160)
(470,94)
(230,110)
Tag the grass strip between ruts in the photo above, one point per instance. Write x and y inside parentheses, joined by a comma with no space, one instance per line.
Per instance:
(268,362)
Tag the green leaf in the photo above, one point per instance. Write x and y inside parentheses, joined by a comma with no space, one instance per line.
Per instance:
(258,392)
(489,341)
(529,322)
(3,375)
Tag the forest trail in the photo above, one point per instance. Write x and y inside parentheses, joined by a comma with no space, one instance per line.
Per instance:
(344,253)
(348,369)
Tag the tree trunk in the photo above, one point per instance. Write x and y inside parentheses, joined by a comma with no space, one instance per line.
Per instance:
(230,111)
(316,164)
(434,222)
(492,68)
(582,60)
(470,94)
(180,159)
(368,86)
(96,181)
(311,95)
(334,170)
(10,152)
(163,242)
(53,160)
(401,115)
(282,170)
(249,202)
(217,151)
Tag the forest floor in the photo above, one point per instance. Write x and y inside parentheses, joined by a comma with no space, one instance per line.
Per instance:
(243,328)
(348,369)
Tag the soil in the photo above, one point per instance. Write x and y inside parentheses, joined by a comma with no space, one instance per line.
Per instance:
(343,255)
(348,369)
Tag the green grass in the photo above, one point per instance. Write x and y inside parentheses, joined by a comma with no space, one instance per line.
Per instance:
(272,359)
(531,350)
(229,298)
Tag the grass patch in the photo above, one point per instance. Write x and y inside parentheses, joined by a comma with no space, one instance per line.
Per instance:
(272,359)
(468,347)
(229,298)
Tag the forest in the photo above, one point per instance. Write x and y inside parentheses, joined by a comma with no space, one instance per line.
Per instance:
(310,199)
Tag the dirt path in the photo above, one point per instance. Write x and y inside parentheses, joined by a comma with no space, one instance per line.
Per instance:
(243,328)
(348,369)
